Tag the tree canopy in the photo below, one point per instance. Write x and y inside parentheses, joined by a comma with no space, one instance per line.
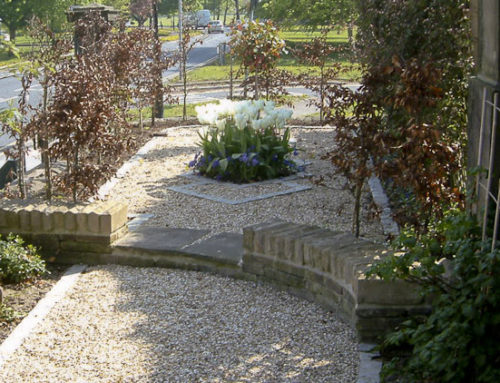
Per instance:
(313,13)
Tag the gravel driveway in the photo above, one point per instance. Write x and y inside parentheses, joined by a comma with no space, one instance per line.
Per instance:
(123,324)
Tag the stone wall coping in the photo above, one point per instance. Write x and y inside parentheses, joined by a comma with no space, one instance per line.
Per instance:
(330,267)
(97,218)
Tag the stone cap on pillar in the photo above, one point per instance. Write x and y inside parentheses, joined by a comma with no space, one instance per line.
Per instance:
(76,12)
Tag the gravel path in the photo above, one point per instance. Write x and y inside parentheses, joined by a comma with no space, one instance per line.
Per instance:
(328,204)
(122,324)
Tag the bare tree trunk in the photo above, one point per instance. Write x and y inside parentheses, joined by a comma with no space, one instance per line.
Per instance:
(21,182)
(322,95)
(237,9)
(184,83)
(75,168)
(44,146)
(357,207)
(245,90)
(225,13)
(231,78)
(256,95)
(158,107)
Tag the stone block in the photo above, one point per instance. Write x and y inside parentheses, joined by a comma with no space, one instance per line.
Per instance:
(287,242)
(376,291)
(354,263)
(339,257)
(384,311)
(375,328)
(25,218)
(81,223)
(3,218)
(284,278)
(289,268)
(36,220)
(13,220)
(93,222)
(58,219)
(272,237)
(48,244)
(248,235)
(48,220)
(278,239)
(333,285)
(117,217)
(84,247)
(116,235)
(298,251)
(260,236)
(70,223)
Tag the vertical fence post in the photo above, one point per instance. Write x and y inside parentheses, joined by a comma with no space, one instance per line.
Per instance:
(497,214)
(491,163)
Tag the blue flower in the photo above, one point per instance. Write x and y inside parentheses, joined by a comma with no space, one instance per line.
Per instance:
(252,148)
(218,177)
(192,164)
(210,157)
(215,164)
(255,162)
(244,157)
(295,152)
(275,157)
(290,164)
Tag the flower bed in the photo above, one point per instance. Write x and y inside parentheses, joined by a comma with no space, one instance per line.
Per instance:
(246,141)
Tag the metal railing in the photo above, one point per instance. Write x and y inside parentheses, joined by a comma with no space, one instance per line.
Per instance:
(495,112)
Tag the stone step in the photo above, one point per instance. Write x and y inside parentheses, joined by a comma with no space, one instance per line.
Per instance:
(185,248)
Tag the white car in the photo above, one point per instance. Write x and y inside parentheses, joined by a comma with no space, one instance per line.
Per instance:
(215,26)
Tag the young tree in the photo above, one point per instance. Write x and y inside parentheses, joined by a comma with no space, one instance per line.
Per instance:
(49,55)
(259,47)
(13,122)
(316,54)
(92,93)
(187,44)
(141,10)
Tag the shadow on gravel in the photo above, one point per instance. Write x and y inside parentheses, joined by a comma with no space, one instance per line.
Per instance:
(204,328)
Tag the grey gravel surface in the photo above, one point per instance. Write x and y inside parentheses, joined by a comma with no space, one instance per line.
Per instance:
(328,204)
(123,324)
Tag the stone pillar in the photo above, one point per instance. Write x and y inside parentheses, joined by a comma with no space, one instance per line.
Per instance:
(485,15)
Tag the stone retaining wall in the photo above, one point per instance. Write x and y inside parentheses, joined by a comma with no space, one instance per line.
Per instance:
(65,228)
(328,267)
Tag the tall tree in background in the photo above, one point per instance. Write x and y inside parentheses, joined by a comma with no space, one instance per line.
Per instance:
(168,7)
(15,14)
(141,10)
(312,13)
(237,9)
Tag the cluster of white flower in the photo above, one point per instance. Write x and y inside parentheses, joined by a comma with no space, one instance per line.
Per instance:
(257,114)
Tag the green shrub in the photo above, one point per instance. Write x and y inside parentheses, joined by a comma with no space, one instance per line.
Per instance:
(458,341)
(8,314)
(19,262)
(247,142)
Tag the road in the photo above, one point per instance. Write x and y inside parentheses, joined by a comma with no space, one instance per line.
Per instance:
(10,86)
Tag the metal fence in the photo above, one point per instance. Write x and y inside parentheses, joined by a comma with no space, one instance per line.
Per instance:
(489,105)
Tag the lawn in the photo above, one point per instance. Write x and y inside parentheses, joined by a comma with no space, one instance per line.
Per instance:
(293,39)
